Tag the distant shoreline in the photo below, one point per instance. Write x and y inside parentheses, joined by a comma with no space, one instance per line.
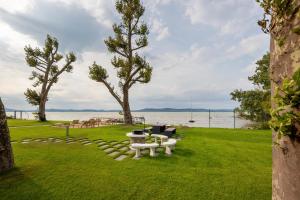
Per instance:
(141,110)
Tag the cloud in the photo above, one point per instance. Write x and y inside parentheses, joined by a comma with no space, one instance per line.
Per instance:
(227,16)
(199,51)
(159,29)
(72,25)
(248,45)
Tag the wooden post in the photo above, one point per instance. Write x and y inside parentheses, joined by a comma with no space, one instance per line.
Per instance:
(209,118)
(233,118)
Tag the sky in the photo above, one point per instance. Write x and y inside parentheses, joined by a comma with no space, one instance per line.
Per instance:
(200,51)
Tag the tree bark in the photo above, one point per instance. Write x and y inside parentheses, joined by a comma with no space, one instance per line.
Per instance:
(285,60)
(126,109)
(6,154)
(42,110)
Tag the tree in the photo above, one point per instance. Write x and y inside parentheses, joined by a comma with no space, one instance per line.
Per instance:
(130,36)
(45,72)
(255,104)
(6,154)
(281,19)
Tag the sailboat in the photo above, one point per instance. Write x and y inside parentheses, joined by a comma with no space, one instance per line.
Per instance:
(191,120)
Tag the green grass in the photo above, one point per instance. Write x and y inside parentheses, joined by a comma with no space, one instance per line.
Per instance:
(207,164)
(16,123)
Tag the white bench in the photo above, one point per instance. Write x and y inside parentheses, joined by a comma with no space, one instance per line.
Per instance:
(170,144)
(137,147)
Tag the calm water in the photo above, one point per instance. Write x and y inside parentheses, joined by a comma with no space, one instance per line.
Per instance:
(218,119)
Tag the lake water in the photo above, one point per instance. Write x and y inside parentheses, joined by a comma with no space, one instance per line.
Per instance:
(218,119)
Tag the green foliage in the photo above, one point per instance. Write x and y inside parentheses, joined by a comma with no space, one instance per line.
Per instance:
(32,97)
(255,104)
(286,115)
(98,73)
(280,11)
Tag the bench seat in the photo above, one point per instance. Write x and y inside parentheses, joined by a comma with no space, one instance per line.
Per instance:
(139,146)
(170,144)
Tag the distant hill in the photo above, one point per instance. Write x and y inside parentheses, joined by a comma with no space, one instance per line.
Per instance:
(182,110)
(140,110)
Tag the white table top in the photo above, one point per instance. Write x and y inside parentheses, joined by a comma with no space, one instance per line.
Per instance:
(159,136)
(136,135)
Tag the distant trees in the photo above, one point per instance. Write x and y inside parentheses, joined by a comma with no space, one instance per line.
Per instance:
(255,104)
(130,36)
(6,154)
(45,72)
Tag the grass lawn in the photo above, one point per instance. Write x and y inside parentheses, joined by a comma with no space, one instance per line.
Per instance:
(207,164)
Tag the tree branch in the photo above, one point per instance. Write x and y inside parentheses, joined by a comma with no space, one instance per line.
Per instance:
(111,90)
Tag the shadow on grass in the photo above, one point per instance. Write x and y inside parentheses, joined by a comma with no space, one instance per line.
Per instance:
(15,184)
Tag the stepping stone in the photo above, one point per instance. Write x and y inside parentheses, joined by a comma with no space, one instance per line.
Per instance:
(124,149)
(85,144)
(24,142)
(37,140)
(71,142)
(118,145)
(125,142)
(104,146)
(101,143)
(109,150)
(13,142)
(121,157)
(113,143)
(114,153)
(130,152)
(98,140)
(27,140)
(57,141)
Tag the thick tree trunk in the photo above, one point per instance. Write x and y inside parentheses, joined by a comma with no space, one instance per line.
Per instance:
(285,60)
(6,154)
(42,111)
(126,109)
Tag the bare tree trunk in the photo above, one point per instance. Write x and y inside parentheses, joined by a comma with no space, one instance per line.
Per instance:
(42,110)
(6,154)
(285,60)
(126,109)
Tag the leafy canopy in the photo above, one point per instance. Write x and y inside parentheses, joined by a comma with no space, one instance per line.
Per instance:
(255,104)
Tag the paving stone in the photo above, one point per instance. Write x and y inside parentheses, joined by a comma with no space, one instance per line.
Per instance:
(13,142)
(85,144)
(124,148)
(24,142)
(130,152)
(114,153)
(118,145)
(101,143)
(27,140)
(104,146)
(109,150)
(113,143)
(37,140)
(121,157)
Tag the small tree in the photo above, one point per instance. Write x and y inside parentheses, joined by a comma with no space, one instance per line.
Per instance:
(6,154)
(130,36)
(255,104)
(45,72)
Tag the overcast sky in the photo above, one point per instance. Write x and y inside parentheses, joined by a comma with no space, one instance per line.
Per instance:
(200,50)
